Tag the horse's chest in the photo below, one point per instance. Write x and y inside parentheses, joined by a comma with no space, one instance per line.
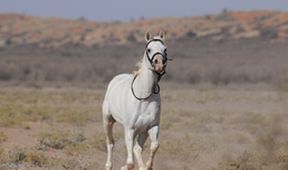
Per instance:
(148,116)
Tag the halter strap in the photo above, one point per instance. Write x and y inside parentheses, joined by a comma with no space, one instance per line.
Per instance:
(154,91)
(156,87)
(157,53)
(152,58)
(154,39)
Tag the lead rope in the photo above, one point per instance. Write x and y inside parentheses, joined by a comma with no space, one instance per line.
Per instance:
(154,91)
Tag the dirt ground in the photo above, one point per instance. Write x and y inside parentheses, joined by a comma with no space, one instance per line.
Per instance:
(203,127)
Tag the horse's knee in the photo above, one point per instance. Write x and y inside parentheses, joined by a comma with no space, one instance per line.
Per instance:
(137,149)
(154,145)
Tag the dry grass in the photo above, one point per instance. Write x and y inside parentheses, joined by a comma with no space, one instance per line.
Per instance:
(27,158)
(68,106)
(230,128)
(3,137)
(60,139)
(202,127)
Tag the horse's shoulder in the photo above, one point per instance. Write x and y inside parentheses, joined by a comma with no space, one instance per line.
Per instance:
(120,78)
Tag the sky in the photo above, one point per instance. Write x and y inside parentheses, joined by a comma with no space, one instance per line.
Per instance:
(125,10)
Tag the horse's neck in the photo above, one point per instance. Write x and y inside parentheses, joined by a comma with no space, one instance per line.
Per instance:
(145,81)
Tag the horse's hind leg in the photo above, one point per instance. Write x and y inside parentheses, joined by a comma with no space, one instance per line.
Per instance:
(108,122)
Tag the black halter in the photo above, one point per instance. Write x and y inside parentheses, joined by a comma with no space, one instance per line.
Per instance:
(156,87)
(156,90)
(152,58)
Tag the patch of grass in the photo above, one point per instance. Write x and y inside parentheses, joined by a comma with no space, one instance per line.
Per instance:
(78,163)
(3,155)
(36,158)
(17,155)
(76,149)
(40,159)
(60,139)
(166,123)
(182,148)
(31,156)
(9,119)
(245,161)
(75,107)
(3,137)
(97,142)
(92,166)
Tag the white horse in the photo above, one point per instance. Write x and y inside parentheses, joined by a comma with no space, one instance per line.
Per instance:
(134,101)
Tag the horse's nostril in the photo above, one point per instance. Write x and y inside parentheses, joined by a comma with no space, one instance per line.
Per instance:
(156,61)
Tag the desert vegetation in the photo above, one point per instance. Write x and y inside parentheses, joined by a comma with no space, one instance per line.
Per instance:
(194,61)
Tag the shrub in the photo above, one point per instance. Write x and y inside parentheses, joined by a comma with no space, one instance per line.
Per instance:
(131,37)
(60,139)
(269,33)
(191,34)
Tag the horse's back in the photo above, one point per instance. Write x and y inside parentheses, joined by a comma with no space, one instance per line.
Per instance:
(118,80)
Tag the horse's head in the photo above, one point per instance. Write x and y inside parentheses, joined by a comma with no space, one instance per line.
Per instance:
(156,53)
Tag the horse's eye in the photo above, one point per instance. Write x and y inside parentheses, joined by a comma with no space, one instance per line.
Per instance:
(148,50)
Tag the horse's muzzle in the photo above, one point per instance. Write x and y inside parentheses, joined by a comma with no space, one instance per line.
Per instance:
(159,64)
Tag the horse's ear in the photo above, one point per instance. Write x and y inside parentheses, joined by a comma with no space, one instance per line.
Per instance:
(162,35)
(148,36)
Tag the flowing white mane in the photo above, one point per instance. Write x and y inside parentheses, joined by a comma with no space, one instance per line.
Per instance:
(138,68)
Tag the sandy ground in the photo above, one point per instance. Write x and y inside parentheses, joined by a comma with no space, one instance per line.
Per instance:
(202,127)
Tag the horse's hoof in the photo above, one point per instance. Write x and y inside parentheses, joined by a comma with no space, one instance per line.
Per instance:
(108,166)
(128,167)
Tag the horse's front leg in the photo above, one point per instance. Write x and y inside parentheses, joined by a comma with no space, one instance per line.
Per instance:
(154,136)
(129,140)
(138,148)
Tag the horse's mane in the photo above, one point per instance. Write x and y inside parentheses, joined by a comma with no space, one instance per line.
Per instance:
(138,67)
